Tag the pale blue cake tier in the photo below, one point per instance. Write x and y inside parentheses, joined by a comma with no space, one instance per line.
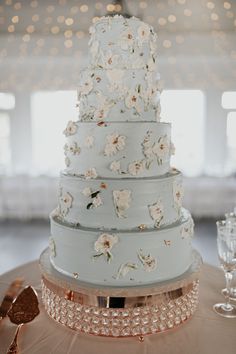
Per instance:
(169,249)
(94,203)
(89,148)
(131,42)
(119,95)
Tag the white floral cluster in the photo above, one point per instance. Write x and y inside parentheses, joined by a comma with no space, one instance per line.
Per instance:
(178,194)
(71,128)
(65,203)
(122,200)
(188,229)
(159,150)
(114,144)
(157,212)
(96,199)
(104,245)
(149,264)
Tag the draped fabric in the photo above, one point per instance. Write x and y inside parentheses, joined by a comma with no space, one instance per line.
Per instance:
(25,197)
(205,333)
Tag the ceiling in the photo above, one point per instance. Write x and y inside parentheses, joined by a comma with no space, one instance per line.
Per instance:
(43,44)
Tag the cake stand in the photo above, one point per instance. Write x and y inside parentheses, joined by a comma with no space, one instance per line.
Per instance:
(120,311)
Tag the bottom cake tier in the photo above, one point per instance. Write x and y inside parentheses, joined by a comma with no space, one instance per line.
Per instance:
(122,258)
(120,312)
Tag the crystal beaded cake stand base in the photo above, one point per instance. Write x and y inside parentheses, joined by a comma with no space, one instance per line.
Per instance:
(116,311)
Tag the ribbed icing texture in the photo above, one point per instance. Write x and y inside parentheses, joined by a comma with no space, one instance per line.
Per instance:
(121,82)
(119,219)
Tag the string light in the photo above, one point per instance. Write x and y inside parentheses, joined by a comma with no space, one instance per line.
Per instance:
(55,30)
(110,7)
(61,19)
(11,28)
(35,18)
(210,5)
(162,21)
(171,18)
(15,19)
(69,21)
(84,8)
(227,5)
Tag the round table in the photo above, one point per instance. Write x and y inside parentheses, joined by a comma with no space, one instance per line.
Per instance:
(205,333)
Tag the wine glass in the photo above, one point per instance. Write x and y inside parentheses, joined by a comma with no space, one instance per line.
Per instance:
(226,244)
(232,218)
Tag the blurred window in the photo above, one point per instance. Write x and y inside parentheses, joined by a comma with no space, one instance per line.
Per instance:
(5,152)
(185,109)
(50,113)
(7,101)
(229,100)
(231,142)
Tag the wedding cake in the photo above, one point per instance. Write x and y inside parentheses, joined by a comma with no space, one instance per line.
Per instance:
(120,219)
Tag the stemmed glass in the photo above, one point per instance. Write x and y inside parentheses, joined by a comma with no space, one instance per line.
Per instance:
(231,217)
(226,243)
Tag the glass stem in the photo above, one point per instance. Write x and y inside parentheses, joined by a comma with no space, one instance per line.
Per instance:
(228,278)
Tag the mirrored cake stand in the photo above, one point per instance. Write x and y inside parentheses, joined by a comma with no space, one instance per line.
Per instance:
(120,311)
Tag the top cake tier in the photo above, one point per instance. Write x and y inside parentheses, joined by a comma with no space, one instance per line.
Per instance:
(118,42)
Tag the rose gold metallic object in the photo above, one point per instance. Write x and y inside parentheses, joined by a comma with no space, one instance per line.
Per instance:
(9,297)
(116,311)
(24,309)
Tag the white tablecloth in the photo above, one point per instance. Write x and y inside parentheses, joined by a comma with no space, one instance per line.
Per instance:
(205,333)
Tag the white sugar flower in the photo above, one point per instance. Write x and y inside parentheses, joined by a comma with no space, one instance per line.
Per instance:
(97,201)
(162,147)
(126,41)
(87,192)
(85,85)
(136,167)
(187,229)
(125,269)
(143,33)
(52,246)
(90,173)
(109,60)
(65,202)
(115,143)
(74,148)
(178,193)
(71,128)
(133,100)
(115,166)
(89,141)
(104,245)
(122,200)
(156,211)
(149,262)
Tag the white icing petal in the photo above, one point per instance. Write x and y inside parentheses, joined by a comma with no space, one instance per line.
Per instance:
(188,229)
(66,200)
(90,173)
(149,262)
(136,167)
(115,143)
(97,201)
(125,269)
(104,245)
(162,147)
(122,200)
(178,194)
(71,128)
(115,166)
(157,212)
